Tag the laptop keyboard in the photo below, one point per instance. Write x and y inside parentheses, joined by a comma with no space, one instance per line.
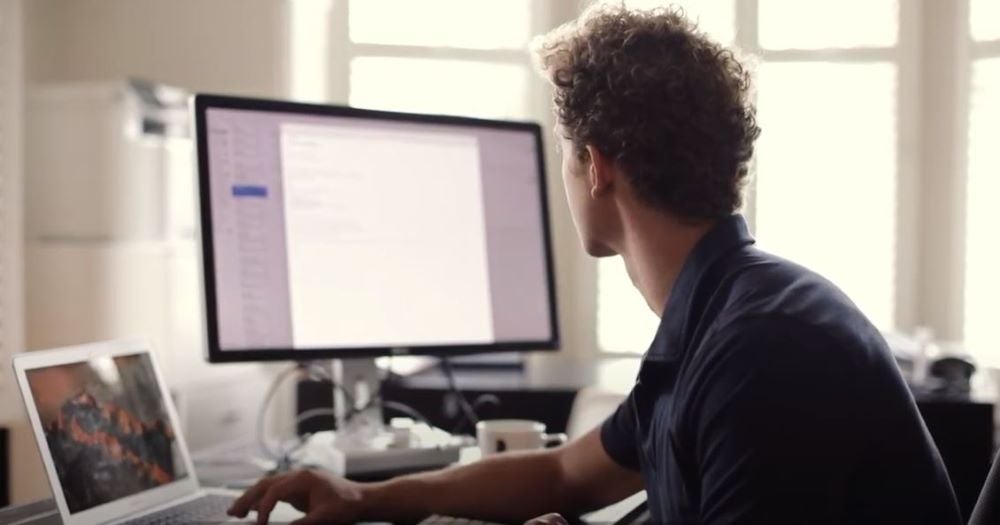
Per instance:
(210,508)
(438,519)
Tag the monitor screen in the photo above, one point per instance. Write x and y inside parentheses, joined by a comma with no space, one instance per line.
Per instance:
(345,232)
(107,428)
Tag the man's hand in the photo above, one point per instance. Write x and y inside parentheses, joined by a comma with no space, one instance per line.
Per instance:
(323,498)
(574,478)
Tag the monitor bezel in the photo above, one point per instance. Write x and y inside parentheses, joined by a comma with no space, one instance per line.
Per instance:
(215,354)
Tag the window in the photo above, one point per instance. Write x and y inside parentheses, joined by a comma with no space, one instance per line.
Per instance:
(822,185)
(716,17)
(826,186)
(625,323)
(982,257)
(463,58)
(984,20)
(827,24)
(480,48)
(443,23)
(412,84)
(843,164)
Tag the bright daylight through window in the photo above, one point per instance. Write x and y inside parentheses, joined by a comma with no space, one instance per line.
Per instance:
(800,60)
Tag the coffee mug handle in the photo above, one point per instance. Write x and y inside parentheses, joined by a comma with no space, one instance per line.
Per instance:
(554,440)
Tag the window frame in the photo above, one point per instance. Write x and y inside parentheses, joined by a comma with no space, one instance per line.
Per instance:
(345,50)
(974,51)
(905,55)
(932,62)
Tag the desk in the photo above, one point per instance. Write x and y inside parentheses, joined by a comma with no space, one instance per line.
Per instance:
(45,513)
(37,513)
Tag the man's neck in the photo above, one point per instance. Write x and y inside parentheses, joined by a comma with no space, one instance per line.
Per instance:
(654,248)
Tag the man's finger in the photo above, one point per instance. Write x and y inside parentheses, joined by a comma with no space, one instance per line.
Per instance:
(549,519)
(242,505)
(276,493)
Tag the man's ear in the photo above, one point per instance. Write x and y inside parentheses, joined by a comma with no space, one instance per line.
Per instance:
(600,173)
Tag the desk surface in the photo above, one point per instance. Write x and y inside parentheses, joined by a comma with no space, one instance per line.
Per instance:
(45,513)
(37,513)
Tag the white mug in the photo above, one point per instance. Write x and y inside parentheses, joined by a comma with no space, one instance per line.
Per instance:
(501,435)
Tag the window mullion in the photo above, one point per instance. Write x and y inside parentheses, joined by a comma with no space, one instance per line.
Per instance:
(747,26)
(851,55)
(748,40)
(340,53)
(985,49)
(501,56)
(944,81)
(908,147)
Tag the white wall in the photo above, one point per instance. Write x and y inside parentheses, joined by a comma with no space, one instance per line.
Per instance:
(11,206)
(230,46)
(207,45)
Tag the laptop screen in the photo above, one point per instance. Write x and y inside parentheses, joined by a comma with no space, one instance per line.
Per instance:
(107,428)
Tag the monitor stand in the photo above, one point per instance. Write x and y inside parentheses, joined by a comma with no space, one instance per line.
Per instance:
(363,447)
(359,379)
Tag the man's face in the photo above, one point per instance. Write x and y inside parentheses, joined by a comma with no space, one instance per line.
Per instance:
(590,214)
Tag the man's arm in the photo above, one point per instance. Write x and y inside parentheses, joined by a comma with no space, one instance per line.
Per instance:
(571,479)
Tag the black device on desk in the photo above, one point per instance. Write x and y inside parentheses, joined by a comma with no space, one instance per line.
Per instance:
(331,232)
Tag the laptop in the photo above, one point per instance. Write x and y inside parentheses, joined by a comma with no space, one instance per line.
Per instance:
(108,435)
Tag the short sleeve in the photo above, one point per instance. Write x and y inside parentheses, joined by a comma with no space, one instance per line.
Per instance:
(618,435)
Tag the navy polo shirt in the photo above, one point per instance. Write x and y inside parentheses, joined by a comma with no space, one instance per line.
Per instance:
(767,397)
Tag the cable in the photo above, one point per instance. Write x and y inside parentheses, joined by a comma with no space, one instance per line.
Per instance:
(484,400)
(311,369)
(406,409)
(463,404)
(286,458)
(282,456)
(391,405)
(271,391)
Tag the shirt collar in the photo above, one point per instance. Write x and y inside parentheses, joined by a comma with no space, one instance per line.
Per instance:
(724,237)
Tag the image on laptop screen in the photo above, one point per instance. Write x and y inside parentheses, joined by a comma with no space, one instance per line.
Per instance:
(107,428)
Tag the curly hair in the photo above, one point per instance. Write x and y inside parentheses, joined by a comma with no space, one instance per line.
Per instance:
(651,91)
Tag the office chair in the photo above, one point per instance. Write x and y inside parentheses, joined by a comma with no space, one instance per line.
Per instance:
(987,509)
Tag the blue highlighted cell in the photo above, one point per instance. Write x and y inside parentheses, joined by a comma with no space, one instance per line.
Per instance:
(247,190)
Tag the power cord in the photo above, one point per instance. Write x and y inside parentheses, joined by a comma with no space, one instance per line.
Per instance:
(310,370)
(465,408)
(281,456)
(375,398)
(261,416)
(485,400)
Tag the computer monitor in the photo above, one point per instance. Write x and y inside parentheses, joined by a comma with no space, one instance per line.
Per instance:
(336,232)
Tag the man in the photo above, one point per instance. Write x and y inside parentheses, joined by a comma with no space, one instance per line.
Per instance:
(765,396)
